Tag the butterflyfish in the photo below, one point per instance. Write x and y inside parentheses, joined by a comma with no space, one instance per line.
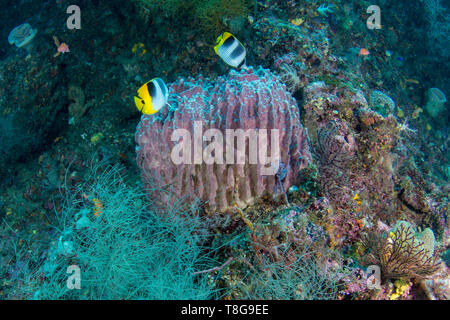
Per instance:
(230,50)
(152,96)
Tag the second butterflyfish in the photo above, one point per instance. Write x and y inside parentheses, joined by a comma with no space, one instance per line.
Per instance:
(152,96)
(231,50)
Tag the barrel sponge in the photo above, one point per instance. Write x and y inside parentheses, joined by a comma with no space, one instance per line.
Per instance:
(434,101)
(249,99)
(21,35)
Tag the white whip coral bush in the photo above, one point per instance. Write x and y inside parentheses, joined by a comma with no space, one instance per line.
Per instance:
(303,279)
(124,249)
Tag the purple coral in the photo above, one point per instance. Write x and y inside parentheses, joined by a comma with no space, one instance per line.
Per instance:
(334,150)
(335,145)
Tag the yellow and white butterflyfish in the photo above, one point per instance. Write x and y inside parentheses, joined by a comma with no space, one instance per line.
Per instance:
(230,50)
(152,96)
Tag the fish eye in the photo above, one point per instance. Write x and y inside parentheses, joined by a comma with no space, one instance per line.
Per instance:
(143,101)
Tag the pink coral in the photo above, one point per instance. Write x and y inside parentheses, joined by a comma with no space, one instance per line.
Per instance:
(250,99)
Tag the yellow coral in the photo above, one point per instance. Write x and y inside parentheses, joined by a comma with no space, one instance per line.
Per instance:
(297,21)
(96,137)
(401,287)
(417,112)
(394,296)
(140,46)
(356,199)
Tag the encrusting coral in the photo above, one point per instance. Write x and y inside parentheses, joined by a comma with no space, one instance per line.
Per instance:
(78,107)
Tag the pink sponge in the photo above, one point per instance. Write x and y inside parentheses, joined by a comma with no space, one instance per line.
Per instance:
(249,99)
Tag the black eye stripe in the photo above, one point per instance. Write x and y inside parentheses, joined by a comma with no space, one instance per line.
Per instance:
(151,89)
